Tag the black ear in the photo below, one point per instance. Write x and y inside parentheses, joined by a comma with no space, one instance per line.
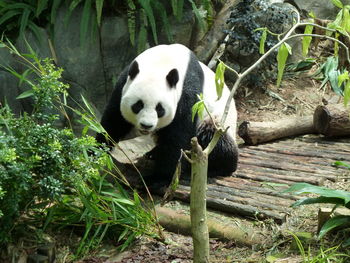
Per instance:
(172,77)
(133,70)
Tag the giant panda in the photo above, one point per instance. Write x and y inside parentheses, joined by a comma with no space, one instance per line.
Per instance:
(154,95)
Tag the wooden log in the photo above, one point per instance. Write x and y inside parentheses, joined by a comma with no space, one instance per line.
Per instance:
(180,223)
(332,120)
(258,132)
(234,208)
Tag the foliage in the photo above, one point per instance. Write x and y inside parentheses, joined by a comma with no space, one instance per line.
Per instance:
(143,16)
(325,255)
(326,195)
(47,172)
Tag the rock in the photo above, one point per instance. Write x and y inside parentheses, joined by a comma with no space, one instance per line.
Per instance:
(323,9)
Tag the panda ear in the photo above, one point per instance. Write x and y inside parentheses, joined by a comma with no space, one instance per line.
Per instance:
(172,77)
(133,70)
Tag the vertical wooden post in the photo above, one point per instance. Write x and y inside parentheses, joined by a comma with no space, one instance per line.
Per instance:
(199,227)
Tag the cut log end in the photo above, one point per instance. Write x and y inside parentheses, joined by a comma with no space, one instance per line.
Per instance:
(321,119)
(332,120)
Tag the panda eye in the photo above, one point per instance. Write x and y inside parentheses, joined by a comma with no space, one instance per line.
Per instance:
(160,110)
(137,107)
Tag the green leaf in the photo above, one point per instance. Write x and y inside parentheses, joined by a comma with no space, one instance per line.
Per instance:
(307,39)
(41,6)
(177,7)
(319,200)
(340,163)
(160,10)
(337,3)
(305,188)
(85,21)
(25,94)
(142,39)
(24,21)
(198,15)
(8,15)
(131,21)
(198,108)
(55,5)
(343,77)
(220,79)
(74,4)
(282,56)
(99,6)
(262,41)
(346,93)
(333,223)
(146,5)
(346,20)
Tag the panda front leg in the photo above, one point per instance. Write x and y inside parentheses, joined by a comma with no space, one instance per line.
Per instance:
(166,156)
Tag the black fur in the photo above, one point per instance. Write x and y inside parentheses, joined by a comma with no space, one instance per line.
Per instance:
(172,77)
(134,70)
(224,157)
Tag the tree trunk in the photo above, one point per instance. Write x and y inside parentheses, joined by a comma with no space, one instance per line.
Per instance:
(258,132)
(198,202)
(332,120)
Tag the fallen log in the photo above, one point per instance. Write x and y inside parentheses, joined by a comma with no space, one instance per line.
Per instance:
(180,223)
(332,120)
(258,132)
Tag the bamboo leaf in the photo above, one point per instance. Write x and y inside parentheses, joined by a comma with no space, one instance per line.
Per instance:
(24,21)
(343,77)
(346,20)
(99,6)
(307,39)
(74,4)
(282,56)
(142,37)
(41,6)
(177,7)
(337,3)
(165,22)
(131,21)
(220,79)
(305,188)
(333,223)
(54,8)
(146,5)
(85,21)
(8,15)
(262,41)
(347,93)
(25,94)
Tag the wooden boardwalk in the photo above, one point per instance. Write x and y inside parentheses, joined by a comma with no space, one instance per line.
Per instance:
(264,171)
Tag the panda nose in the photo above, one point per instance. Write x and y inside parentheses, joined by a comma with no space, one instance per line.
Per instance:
(146,126)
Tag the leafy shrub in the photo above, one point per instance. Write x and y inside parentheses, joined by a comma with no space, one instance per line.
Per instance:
(144,16)
(50,172)
(329,196)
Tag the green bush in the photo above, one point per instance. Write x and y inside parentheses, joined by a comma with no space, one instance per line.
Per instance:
(51,175)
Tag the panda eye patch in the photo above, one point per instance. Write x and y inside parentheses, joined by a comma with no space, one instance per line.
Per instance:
(160,110)
(137,107)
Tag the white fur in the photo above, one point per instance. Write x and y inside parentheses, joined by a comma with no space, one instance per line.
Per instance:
(151,87)
(217,107)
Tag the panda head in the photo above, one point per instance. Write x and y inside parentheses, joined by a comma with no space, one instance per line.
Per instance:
(149,98)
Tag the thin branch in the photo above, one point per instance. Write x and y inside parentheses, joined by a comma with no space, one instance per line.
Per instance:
(324,36)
